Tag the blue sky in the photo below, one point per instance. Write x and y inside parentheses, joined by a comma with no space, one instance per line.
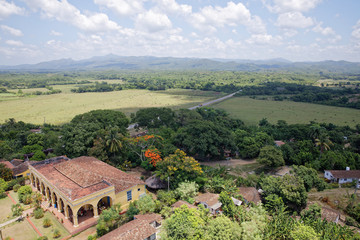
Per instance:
(32,31)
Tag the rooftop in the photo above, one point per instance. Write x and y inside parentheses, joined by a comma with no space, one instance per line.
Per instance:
(150,217)
(210,199)
(345,173)
(134,230)
(7,164)
(250,194)
(82,176)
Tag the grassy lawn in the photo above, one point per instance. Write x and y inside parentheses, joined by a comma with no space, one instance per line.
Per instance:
(50,230)
(5,209)
(251,111)
(61,108)
(20,231)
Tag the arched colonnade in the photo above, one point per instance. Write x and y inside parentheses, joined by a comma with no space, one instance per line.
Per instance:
(83,211)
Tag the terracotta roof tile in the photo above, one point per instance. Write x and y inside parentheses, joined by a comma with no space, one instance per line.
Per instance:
(16,162)
(250,194)
(134,230)
(22,167)
(150,217)
(345,173)
(209,198)
(84,175)
(7,164)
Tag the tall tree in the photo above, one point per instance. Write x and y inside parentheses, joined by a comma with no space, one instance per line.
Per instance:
(324,143)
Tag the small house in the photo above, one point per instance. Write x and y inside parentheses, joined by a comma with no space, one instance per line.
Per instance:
(250,194)
(343,176)
(143,227)
(209,201)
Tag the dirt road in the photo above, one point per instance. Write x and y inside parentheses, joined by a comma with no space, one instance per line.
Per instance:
(214,101)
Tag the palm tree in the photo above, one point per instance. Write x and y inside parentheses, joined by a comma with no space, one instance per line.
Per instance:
(316,130)
(324,143)
(113,141)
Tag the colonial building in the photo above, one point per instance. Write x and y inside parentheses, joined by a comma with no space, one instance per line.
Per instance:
(343,176)
(83,187)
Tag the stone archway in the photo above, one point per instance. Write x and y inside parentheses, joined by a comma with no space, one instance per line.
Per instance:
(104,203)
(32,180)
(85,212)
(42,187)
(37,184)
(48,195)
(61,205)
(54,199)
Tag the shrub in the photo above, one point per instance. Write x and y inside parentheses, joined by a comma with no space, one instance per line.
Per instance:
(38,213)
(351,221)
(56,233)
(23,191)
(16,187)
(47,223)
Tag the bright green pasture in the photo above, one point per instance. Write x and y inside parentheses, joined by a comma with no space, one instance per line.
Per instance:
(251,111)
(61,108)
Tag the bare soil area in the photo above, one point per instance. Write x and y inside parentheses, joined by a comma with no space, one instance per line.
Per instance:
(229,163)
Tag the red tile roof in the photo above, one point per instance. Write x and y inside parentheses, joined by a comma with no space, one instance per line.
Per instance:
(279,143)
(208,198)
(16,162)
(7,164)
(22,167)
(150,217)
(345,173)
(133,230)
(82,176)
(180,203)
(250,194)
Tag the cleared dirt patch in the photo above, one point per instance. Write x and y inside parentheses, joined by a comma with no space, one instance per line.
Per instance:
(229,163)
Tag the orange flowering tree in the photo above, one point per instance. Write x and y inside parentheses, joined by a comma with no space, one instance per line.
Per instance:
(153,155)
(145,145)
(178,167)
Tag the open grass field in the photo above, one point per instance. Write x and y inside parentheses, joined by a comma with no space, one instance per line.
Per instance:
(61,108)
(20,231)
(50,230)
(338,197)
(251,111)
(5,209)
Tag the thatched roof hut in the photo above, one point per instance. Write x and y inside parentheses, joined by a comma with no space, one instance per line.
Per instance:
(155,182)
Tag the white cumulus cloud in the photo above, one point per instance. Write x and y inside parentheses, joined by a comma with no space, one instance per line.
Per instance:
(210,18)
(14,43)
(264,39)
(291,20)
(323,30)
(171,6)
(65,12)
(356,32)
(123,7)
(152,21)
(55,33)
(7,9)
(281,6)
(12,31)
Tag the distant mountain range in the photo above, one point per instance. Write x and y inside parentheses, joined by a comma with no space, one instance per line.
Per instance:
(115,62)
